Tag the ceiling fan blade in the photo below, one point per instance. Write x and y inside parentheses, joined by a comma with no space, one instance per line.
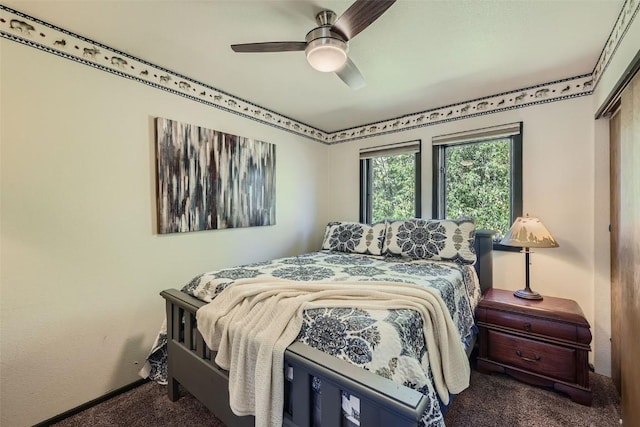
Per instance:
(359,16)
(269,47)
(351,75)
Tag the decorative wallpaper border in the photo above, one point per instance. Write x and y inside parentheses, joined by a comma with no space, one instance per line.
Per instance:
(32,32)
(626,17)
(539,94)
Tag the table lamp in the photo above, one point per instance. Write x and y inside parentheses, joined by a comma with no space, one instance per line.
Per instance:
(528,232)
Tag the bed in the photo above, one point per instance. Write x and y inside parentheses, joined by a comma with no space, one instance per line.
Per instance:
(324,380)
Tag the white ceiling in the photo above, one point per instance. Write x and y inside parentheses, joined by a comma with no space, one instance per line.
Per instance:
(420,54)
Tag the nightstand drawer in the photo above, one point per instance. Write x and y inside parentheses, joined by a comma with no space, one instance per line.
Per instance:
(542,358)
(532,325)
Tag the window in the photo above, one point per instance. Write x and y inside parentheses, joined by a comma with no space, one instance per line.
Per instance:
(390,182)
(478,174)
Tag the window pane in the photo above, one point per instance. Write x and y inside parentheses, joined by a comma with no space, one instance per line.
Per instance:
(393,187)
(478,183)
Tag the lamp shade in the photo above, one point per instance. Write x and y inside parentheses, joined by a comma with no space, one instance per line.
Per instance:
(529,232)
(326,54)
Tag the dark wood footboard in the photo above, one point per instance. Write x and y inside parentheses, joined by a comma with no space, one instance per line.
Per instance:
(191,364)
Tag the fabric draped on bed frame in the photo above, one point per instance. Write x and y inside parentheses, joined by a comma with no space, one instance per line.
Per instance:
(251,323)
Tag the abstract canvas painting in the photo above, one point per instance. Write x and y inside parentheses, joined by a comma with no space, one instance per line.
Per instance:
(211,180)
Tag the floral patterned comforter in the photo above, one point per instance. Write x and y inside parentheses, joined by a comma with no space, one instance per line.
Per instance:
(387,342)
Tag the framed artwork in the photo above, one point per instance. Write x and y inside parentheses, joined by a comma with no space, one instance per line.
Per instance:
(212,180)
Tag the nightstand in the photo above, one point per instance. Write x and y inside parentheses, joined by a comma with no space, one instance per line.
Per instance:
(543,342)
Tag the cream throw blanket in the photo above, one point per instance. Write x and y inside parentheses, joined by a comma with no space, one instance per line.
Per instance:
(252,322)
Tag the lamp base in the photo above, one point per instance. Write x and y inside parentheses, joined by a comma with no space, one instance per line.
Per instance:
(528,294)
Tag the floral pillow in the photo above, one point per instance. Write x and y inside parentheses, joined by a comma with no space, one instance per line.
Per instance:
(354,237)
(436,239)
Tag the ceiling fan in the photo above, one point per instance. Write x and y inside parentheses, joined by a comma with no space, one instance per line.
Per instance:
(326,46)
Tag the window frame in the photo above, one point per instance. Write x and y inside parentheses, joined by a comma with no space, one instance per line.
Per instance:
(515,202)
(366,183)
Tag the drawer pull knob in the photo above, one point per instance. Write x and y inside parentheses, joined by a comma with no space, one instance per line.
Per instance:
(536,358)
(527,326)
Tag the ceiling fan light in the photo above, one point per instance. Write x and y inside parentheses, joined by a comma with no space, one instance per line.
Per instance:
(326,54)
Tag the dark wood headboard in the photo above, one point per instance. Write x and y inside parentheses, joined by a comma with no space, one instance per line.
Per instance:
(484,264)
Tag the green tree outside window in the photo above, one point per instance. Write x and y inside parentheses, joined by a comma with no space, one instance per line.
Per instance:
(478,183)
(393,186)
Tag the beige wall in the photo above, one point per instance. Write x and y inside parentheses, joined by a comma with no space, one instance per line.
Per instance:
(558,187)
(81,264)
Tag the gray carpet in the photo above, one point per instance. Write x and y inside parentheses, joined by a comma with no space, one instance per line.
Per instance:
(491,401)
(499,400)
